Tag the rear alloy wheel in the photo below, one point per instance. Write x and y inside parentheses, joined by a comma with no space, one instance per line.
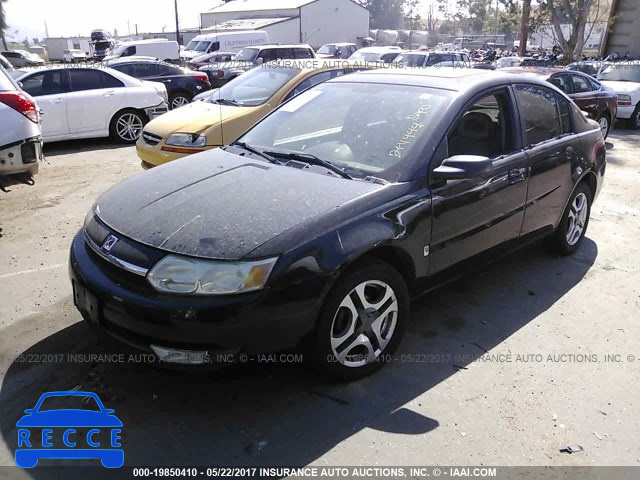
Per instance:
(573,225)
(605,124)
(362,322)
(127,126)
(178,100)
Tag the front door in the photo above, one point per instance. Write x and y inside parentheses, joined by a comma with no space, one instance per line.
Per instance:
(475,214)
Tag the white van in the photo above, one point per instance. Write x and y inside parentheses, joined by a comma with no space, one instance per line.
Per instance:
(223,42)
(158,48)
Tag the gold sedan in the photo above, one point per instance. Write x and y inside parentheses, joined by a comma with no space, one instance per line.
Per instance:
(234,108)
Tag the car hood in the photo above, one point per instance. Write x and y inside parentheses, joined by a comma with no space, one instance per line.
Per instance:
(195,117)
(69,418)
(622,87)
(217,204)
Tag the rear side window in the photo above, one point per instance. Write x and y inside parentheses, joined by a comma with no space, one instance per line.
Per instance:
(565,115)
(5,81)
(109,81)
(539,112)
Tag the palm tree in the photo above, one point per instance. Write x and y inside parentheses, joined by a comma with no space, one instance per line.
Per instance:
(3,24)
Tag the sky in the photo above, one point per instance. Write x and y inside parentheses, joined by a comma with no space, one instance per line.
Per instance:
(79,17)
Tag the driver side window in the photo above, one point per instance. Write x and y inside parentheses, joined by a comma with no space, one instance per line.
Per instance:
(485,129)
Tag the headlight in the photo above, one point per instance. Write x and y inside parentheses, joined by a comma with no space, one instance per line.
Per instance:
(624,100)
(176,274)
(186,140)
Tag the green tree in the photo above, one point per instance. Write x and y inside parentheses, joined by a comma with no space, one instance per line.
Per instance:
(574,13)
(385,13)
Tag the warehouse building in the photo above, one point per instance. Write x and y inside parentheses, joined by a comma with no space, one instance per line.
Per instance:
(624,35)
(315,22)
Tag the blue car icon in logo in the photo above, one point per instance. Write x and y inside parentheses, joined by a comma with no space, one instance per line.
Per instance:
(62,426)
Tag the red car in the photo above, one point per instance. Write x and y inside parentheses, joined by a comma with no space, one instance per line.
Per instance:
(598,101)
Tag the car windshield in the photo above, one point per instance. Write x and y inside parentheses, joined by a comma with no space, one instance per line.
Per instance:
(202,46)
(118,51)
(246,55)
(363,129)
(410,59)
(192,45)
(69,402)
(621,73)
(365,56)
(254,87)
(508,62)
(327,50)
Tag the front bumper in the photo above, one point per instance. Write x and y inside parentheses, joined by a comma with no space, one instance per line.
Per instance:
(625,112)
(126,307)
(21,157)
(157,110)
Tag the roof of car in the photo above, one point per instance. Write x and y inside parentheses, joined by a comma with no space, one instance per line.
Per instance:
(445,78)
(134,59)
(276,45)
(380,49)
(540,71)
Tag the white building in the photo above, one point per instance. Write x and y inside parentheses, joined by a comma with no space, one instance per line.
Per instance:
(315,22)
(545,35)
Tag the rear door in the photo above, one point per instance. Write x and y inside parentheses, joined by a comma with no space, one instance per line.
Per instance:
(48,88)
(552,154)
(475,214)
(94,96)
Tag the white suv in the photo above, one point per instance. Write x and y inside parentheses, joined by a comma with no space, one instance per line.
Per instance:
(624,79)
(20,135)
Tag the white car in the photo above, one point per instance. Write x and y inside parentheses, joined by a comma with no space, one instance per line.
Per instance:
(376,54)
(73,56)
(20,135)
(86,102)
(624,79)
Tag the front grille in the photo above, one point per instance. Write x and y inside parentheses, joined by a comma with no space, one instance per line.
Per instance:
(150,138)
(126,279)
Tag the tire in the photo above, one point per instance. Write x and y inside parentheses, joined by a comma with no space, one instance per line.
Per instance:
(335,349)
(178,99)
(634,120)
(575,220)
(605,124)
(122,133)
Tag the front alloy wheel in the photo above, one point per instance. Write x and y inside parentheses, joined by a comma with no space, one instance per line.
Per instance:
(361,322)
(127,126)
(364,323)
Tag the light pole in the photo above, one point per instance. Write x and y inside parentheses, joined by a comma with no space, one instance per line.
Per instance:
(175,2)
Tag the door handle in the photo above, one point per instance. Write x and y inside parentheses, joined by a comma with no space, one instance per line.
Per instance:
(517,174)
(109,93)
(58,100)
(167,81)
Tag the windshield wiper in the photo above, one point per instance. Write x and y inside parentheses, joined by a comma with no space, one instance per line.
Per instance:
(311,160)
(255,151)
(224,101)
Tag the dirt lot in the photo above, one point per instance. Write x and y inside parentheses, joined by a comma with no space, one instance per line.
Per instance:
(547,324)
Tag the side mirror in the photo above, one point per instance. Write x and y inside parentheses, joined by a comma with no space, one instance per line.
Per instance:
(462,166)
(259,61)
(20,84)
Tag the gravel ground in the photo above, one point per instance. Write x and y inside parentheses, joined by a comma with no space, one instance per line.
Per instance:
(546,323)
